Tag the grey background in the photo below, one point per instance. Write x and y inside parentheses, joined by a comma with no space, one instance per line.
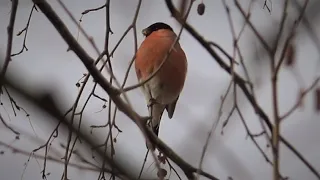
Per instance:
(47,64)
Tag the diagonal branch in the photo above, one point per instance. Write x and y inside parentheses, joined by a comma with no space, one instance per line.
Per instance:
(10,29)
(25,31)
(8,126)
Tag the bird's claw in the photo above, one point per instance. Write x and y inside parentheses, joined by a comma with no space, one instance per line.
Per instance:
(151,102)
(146,119)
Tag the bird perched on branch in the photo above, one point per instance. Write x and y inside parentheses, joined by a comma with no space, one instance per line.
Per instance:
(163,89)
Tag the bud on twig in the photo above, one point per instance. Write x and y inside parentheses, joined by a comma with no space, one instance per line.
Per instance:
(317,98)
(201,8)
(290,55)
(162,173)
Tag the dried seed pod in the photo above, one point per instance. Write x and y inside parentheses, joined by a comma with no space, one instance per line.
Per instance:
(201,8)
(317,98)
(162,173)
(162,159)
(290,55)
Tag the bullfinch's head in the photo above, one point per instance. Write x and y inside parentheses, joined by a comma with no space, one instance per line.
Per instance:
(155,27)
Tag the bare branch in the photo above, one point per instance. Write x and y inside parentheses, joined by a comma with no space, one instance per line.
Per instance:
(7,126)
(283,19)
(301,97)
(10,29)
(262,41)
(290,37)
(25,31)
(93,9)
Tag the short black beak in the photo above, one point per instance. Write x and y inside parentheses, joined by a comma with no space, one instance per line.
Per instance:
(145,31)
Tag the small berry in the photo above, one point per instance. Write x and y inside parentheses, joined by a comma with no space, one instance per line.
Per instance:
(201,8)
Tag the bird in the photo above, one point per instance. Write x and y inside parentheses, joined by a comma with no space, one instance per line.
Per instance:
(163,90)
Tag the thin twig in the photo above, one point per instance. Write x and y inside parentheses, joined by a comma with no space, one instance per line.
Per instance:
(283,19)
(8,126)
(93,9)
(25,30)
(53,159)
(213,127)
(261,39)
(275,104)
(291,35)
(274,80)
(300,99)
(10,29)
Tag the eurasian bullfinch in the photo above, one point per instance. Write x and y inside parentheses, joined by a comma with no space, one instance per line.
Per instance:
(163,90)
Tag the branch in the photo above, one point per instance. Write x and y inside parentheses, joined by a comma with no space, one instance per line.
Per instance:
(53,159)
(290,37)
(7,126)
(263,42)
(25,30)
(93,9)
(302,95)
(10,29)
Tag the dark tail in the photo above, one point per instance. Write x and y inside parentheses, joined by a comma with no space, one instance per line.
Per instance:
(156,130)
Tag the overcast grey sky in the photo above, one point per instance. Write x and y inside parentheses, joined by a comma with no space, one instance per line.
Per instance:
(47,64)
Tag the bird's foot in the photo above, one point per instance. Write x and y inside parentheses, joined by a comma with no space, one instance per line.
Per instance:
(151,102)
(146,119)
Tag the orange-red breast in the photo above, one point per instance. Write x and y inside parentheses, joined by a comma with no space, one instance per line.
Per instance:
(163,90)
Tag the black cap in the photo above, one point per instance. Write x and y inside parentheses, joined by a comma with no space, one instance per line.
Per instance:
(155,27)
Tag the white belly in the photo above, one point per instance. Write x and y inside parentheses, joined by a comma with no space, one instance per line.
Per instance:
(153,89)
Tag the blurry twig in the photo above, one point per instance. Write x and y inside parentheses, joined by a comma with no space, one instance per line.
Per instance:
(261,39)
(275,67)
(282,23)
(300,99)
(252,137)
(90,39)
(275,104)
(45,102)
(213,127)
(223,51)
(53,159)
(265,5)
(25,31)
(10,29)
(308,25)
(7,59)
(7,126)
(290,37)
(86,79)
(93,9)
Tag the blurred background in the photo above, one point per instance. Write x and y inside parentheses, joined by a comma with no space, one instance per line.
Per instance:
(48,66)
